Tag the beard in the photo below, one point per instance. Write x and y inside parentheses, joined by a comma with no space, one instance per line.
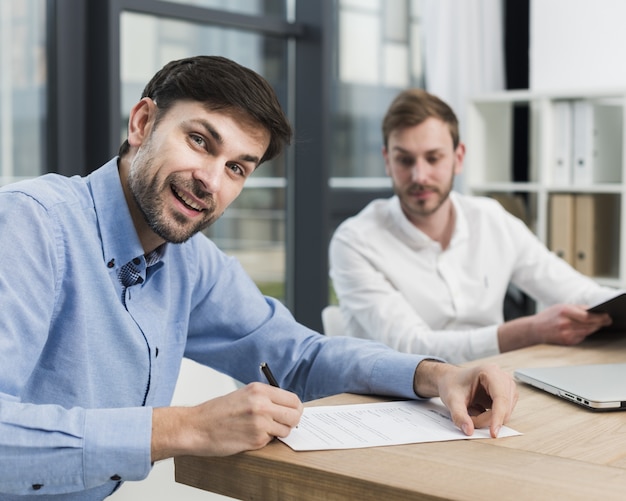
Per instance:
(423,208)
(151,195)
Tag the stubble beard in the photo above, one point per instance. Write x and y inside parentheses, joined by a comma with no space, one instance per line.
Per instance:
(420,208)
(150,194)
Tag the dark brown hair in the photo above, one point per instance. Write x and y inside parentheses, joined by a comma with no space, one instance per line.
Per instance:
(220,84)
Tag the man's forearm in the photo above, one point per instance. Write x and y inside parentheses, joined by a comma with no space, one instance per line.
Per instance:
(167,423)
(516,334)
(427,376)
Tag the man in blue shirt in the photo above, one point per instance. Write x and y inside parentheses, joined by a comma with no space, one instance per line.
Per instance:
(106,284)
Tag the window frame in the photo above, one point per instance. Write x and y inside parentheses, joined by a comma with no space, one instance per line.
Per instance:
(84,83)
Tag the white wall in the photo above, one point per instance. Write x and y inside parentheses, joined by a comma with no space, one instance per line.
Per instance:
(577,44)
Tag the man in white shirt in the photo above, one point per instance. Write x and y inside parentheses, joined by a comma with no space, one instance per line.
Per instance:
(427,270)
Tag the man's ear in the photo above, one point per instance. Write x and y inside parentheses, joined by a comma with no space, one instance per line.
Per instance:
(386,158)
(459,153)
(141,121)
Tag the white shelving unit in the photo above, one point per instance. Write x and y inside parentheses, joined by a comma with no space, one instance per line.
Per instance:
(489,161)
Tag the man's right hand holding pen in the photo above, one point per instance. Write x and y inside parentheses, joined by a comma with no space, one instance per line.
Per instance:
(246,419)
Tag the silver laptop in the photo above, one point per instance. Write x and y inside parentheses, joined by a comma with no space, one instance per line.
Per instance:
(597,386)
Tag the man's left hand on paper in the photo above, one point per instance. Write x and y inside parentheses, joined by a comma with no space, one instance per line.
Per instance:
(477,397)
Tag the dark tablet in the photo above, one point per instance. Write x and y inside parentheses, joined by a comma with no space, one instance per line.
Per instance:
(616,307)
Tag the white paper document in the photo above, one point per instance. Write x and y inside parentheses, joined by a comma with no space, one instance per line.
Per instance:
(377,424)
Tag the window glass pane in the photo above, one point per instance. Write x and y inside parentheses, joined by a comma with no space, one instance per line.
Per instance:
(22,89)
(255,7)
(379,55)
(253,227)
(359,33)
(395,16)
(253,230)
(372,5)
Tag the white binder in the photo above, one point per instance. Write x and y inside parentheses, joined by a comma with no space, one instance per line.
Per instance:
(597,142)
(583,139)
(563,149)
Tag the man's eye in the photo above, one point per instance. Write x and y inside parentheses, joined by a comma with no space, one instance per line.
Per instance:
(433,160)
(237,169)
(199,140)
(406,161)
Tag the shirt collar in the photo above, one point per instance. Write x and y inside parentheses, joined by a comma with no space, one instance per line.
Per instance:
(120,242)
(461,225)
(418,237)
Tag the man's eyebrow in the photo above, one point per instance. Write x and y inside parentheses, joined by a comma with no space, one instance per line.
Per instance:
(212,131)
(408,152)
(206,125)
(252,159)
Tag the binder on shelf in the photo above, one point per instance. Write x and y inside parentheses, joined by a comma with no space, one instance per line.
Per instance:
(594,235)
(562,168)
(608,142)
(597,142)
(561,228)
(583,141)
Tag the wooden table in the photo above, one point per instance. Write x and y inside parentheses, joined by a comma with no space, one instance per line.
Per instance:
(565,452)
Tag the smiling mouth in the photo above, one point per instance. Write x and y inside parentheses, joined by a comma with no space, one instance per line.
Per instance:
(186,201)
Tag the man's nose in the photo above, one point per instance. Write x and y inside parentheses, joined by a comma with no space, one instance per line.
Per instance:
(210,176)
(419,172)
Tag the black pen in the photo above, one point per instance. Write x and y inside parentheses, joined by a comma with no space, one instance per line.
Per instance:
(268,374)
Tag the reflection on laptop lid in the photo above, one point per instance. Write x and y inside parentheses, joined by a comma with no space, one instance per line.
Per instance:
(597,386)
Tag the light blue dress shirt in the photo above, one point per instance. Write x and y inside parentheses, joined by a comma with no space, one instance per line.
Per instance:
(80,372)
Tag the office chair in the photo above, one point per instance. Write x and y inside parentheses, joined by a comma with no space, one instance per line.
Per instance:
(332,321)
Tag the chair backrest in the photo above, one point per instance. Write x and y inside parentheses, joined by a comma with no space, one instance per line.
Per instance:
(332,321)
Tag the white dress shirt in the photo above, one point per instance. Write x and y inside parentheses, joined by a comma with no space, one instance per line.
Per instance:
(397,285)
